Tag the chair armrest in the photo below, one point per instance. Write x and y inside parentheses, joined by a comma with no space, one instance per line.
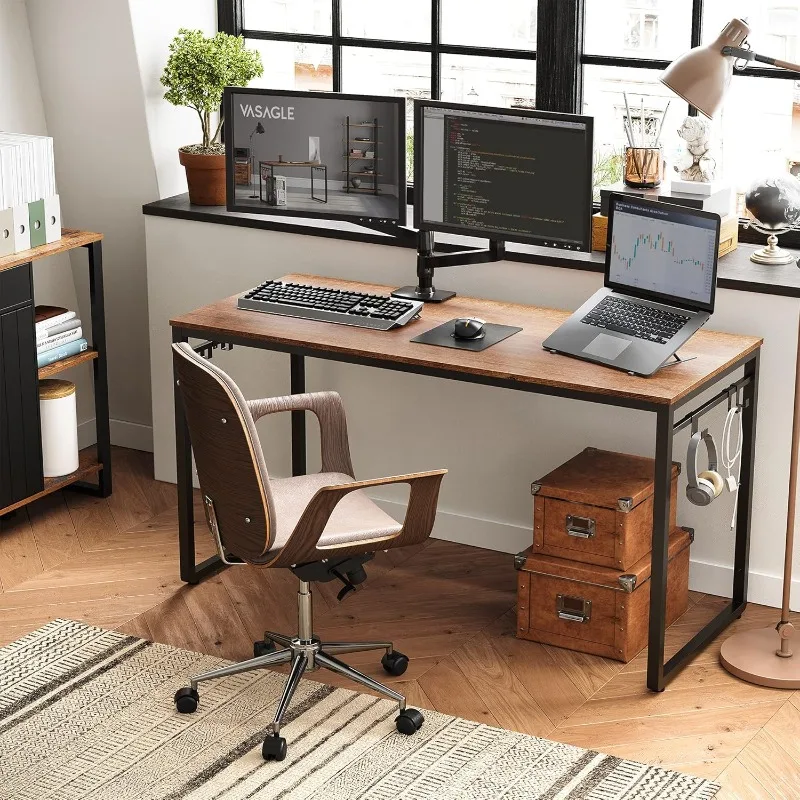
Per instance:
(329,410)
(417,525)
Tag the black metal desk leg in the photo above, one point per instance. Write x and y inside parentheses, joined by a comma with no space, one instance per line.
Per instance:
(297,367)
(183,461)
(744,501)
(100,367)
(658,579)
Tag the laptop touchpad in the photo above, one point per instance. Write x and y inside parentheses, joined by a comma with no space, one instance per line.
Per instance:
(605,346)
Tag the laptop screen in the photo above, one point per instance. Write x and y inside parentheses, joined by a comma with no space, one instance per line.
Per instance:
(662,252)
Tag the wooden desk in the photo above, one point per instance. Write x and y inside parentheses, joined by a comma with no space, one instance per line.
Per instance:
(311,165)
(519,363)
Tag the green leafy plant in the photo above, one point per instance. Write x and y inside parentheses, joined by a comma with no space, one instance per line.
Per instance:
(197,71)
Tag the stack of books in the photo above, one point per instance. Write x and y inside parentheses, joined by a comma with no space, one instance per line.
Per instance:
(30,211)
(59,335)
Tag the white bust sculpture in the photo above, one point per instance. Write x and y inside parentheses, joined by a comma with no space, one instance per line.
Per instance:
(695,164)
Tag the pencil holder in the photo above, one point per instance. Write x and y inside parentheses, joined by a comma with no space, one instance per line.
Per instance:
(644,167)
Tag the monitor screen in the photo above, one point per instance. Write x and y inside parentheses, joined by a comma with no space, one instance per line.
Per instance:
(662,250)
(316,154)
(507,174)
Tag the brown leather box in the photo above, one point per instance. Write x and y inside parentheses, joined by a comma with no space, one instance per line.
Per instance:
(594,609)
(598,508)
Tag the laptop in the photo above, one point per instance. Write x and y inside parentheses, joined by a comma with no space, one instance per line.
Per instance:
(660,281)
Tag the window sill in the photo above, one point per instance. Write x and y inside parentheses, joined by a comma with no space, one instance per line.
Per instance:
(736,271)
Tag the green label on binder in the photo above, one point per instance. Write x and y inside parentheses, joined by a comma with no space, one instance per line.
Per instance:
(36,214)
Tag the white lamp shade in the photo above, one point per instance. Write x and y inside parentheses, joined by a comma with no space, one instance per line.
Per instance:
(701,76)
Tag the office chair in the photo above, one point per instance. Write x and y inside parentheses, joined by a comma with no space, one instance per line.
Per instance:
(322,527)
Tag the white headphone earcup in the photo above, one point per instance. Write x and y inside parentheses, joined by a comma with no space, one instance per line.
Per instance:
(714,478)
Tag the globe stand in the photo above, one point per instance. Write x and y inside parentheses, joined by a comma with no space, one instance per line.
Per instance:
(772,254)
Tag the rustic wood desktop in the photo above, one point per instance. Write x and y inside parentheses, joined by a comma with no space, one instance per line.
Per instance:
(311,165)
(520,363)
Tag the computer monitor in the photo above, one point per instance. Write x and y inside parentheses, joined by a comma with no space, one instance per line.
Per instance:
(316,154)
(507,174)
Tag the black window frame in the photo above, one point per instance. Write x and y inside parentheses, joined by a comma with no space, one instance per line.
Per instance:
(559,45)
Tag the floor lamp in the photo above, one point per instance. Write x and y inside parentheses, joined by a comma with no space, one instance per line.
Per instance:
(258,129)
(701,77)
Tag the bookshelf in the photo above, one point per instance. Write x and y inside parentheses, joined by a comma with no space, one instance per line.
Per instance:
(20,455)
(367,143)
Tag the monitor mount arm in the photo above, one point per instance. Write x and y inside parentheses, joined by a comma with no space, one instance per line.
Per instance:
(428,260)
(746,55)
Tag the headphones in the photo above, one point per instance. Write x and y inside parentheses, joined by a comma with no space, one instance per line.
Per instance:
(702,489)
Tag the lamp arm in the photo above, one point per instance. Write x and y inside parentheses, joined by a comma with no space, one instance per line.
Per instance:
(748,55)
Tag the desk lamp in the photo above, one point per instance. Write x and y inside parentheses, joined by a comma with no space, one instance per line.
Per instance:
(701,77)
(258,129)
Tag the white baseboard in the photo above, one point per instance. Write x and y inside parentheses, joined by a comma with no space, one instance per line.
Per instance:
(125,434)
(508,538)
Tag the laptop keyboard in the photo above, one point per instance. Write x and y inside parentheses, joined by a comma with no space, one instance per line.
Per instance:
(641,321)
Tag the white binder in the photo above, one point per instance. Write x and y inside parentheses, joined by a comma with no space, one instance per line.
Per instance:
(21,231)
(6,232)
(52,218)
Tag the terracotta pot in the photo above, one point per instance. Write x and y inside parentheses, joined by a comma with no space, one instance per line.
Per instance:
(205,175)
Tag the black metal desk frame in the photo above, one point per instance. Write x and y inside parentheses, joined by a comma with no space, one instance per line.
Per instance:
(658,672)
(322,167)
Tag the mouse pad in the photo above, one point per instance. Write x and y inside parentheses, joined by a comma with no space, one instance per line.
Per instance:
(442,336)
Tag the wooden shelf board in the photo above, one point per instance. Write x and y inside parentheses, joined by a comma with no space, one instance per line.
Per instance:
(66,363)
(361,189)
(70,239)
(88,465)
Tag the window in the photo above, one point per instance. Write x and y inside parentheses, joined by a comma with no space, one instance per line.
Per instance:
(486,53)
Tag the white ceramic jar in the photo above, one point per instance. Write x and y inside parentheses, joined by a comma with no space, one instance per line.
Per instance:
(59,421)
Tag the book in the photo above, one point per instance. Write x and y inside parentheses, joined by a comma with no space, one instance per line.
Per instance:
(47,316)
(58,339)
(62,327)
(60,353)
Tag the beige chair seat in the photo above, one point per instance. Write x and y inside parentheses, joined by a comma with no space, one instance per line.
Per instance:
(356,518)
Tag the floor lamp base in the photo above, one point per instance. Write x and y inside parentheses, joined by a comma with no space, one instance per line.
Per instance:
(751,656)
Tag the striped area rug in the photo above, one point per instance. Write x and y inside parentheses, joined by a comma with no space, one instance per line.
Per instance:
(87,714)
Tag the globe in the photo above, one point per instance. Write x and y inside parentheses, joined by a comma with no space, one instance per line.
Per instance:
(774,207)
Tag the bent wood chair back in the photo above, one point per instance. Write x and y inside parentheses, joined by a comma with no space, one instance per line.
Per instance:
(230,464)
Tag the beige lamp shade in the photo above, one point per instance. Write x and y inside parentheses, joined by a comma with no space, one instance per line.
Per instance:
(701,76)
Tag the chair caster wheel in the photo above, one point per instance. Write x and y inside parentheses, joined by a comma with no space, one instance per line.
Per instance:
(409,721)
(395,663)
(274,748)
(186,700)
(263,648)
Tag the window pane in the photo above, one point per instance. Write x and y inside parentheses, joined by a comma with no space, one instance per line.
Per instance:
(503,82)
(759,129)
(290,65)
(288,16)
(638,28)
(501,23)
(395,73)
(409,21)
(603,99)
(775,24)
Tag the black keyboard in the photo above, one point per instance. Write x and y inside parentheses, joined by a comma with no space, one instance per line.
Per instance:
(639,320)
(378,311)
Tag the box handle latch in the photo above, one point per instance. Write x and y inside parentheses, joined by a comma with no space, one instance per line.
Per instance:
(573,609)
(580,527)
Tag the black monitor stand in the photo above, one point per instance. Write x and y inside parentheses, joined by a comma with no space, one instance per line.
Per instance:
(428,260)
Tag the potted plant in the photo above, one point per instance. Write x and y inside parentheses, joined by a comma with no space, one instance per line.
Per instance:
(197,71)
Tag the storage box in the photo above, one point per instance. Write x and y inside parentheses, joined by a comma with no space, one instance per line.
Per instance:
(728,235)
(594,609)
(598,508)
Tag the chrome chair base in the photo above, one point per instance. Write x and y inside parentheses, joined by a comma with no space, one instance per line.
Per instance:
(305,653)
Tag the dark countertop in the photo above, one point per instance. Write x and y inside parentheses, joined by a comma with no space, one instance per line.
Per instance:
(735,271)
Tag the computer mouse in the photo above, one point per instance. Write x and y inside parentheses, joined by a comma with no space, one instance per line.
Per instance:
(467,328)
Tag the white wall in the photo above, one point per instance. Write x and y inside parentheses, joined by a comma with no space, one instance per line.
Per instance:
(155,23)
(21,111)
(493,441)
(92,91)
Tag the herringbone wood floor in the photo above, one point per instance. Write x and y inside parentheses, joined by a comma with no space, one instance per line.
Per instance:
(450,608)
